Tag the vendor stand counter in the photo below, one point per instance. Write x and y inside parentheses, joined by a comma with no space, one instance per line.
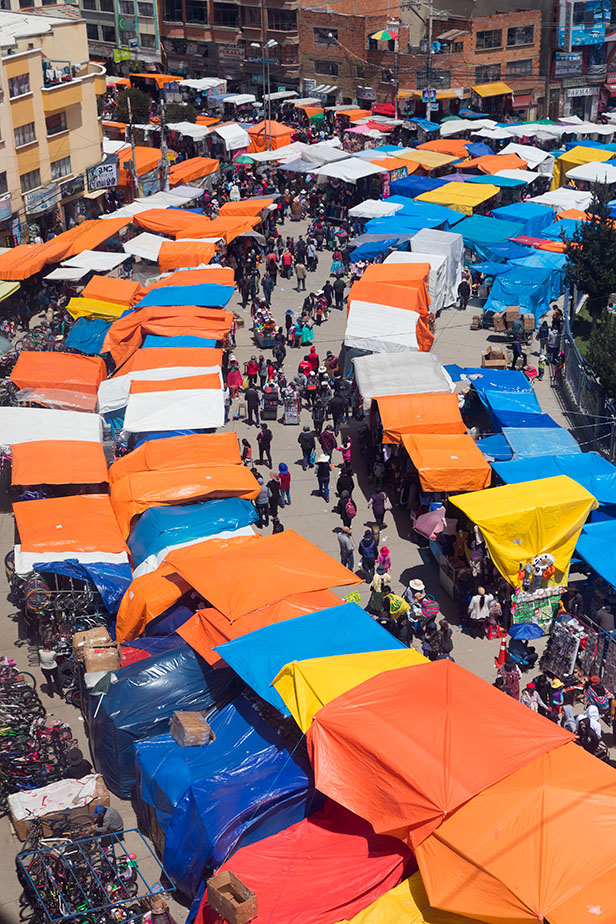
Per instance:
(270,404)
(264,341)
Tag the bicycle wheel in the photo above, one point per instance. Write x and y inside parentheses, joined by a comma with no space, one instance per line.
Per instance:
(66,673)
(73,697)
(9,565)
(27,678)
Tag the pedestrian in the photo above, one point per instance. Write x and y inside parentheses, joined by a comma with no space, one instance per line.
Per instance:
(445,641)
(77,765)
(517,353)
(252,370)
(252,404)
(275,494)
(380,580)
(307,443)
(345,449)
(530,697)
(323,472)
(368,550)
(313,359)
(319,413)
(246,452)
(312,389)
(464,293)
(227,399)
(264,439)
(553,345)
(511,677)
(345,481)
(542,336)
(337,408)
(262,371)
(347,549)
(311,256)
(49,666)
(287,263)
(307,334)
(379,503)
(378,472)
(541,362)
(328,441)
(245,289)
(384,558)
(285,484)
(345,508)
(300,274)
(268,287)
(328,292)
(262,501)
(479,612)
(339,286)
(107,820)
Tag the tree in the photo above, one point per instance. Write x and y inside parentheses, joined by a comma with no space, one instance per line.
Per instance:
(178,112)
(602,352)
(592,254)
(140,104)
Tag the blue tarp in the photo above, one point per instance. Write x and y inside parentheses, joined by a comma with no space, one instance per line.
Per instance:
(206,295)
(501,404)
(141,702)
(411,186)
(489,268)
(533,216)
(495,447)
(597,546)
(590,144)
(532,442)
(142,438)
(159,527)
(372,249)
(422,209)
(566,226)
(244,786)
(258,656)
(405,224)
(507,250)
(169,621)
(478,148)
(519,420)
(479,232)
(87,335)
(495,379)
(111,580)
(589,469)
(552,261)
(525,286)
(426,124)
(185,340)
(158,644)
(505,182)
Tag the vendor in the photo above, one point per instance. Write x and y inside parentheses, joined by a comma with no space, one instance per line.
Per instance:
(108,820)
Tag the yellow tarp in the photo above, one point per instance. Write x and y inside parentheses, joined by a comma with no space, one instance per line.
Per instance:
(498,88)
(429,160)
(305,686)
(521,521)
(408,903)
(8,288)
(92,308)
(464,197)
(575,158)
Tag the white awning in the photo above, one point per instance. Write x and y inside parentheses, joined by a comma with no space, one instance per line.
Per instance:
(239,99)
(382,374)
(98,260)
(203,83)
(528,176)
(182,409)
(593,173)
(307,101)
(380,328)
(454,126)
(188,193)
(375,208)
(494,134)
(25,561)
(26,424)
(67,274)
(196,132)
(113,393)
(349,171)
(113,147)
(527,152)
(563,198)
(145,246)
(281,94)
(233,136)
(324,89)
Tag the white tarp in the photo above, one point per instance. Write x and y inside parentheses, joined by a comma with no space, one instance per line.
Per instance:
(152,562)
(97,260)
(25,561)
(324,152)
(204,83)
(400,374)
(494,134)
(26,424)
(307,101)
(349,171)
(380,328)
(285,153)
(67,274)
(593,173)
(55,797)
(528,176)
(455,126)
(541,161)
(159,200)
(437,284)
(375,208)
(233,136)
(145,246)
(113,147)
(113,393)
(280,94)
(239,99)
(447,244)
(188,193)
(183,409)
(575,124)
(564,198)
(190,129)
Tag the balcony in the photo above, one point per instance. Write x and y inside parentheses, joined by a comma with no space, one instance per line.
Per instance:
(62,83)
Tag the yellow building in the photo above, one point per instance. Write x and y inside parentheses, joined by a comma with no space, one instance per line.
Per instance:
(49,124)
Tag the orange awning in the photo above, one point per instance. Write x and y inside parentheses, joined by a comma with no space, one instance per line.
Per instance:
(576,214)
(453,146)
(492,163)
(146,598)
(207,120)
(272,568)
(223,275)
(144,386)
(250,207)
(428,413)
(119,126)
(85,523)
(66,371)
(448,463)
(58,462)
(269,136)
(159,79)
(168,357)
(179,223)
(411,275)
(208,628)
(146,160)
(355,114)
(179,254)
(199,450)
(192,169)
(393,163)
(112,289)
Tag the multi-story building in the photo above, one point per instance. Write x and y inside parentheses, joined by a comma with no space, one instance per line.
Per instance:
(49,125)
(123,30)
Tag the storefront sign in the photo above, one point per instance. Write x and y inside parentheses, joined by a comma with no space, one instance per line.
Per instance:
(230,55)
(103,176)
(16,231)
(126,23)
(567,65)
(71,187)
(41,199)
(121,54)
(366,93)
(582,91)
(6,209)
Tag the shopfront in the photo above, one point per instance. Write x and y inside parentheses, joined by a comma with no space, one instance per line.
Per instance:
(72,202)
(582,102)
(41,208)
(7,236)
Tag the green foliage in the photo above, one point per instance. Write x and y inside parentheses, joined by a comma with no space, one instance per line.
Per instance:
(592,254)
(181,112)
(140,104)
(602,352)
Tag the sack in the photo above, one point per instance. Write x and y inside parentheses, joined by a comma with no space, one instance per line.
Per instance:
(313,456)
(495,612)
(388,504)
(245,382)
(349,509)
(429,607)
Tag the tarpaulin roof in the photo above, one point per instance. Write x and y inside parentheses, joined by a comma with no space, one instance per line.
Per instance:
(427,160)
(209,628)
(374,208)
(111,579)
(307,685)
(223,275)
(478,231)
(244,207)
(490,379)
(408,903)
(95,308)
(145,160)
(411,186)
(65,371)
(573,158)
(464,197)
(498,179)
(382,328)
(520,522)
(207,380)
(206,295)
(437,278)
(431,767)
(140,703)
(178,254)
(183,362)
(334,848)
(513,843)
(597,546)
(427,413)
(349,170)
(241,788)
(371,249)
(528,287)
(393,374)
(59,462)
(269,135)
(492,163)
(413,277)
(24,424)
(454,146)
(192,169)
(112,289)
(271,567)
(406,222)
(147,598)
(564,227)
(202,449)
(446,243)
(181,223)
(426,210)
(259,656)
(531,441)
(187,408)
(533,216)
(501,402)
(449,462)
(152,341)
(125,336)
(589,469)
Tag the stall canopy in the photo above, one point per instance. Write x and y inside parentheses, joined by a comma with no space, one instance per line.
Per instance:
(382,328)
(447,462)
(192,169)
(437,277)
(449,755)
(597,546)
(392,374)
(269,135)
(374,208)
(533,216)
(589,469)
(114,393)
(234,136)
(25,424)
(463,197)
(202,449)
(87,335)
(349,171)
(250,207)
(259,656)
(427,413)
(533,441)
(111,289)
(541,161)
(205,295)
(520,522)
(408,903)
(448,244)
(58,371)
(593,173)
(307,685)
(574,158)
(484,380)
(179,254)
(145,160)
(223,275)
(528,287)
(159,407)
(95,308)
(58,462)
(479,232)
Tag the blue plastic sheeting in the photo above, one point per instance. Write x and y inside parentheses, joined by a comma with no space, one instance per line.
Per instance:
(389,148)
(532,442)
(410,208)
(141,702)
(507,250)
(162,435)
(495,448)
(597,546)
(426,124)
(478,148)
(525,286)
(405,224)
(258,656)
(590,144)
(480,232)
(87,335)
(472,114)
(589,469)
(566,226)
(111,580)
(158,644)
(496,379)
(533,216)
(411,186)
(207,295)
(243,787)
(169,621)
(519,420)
(488,268)
(553,261)
(525,402)
(185,340)
(159,527)
(505,182)
(372,249)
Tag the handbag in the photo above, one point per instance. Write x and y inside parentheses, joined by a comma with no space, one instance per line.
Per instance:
(313,456)
(388,504)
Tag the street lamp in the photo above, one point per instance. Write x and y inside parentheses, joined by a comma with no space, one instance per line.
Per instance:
(265,71)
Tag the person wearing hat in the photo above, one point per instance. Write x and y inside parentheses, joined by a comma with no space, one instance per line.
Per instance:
(78,766)
(557,698)
(415,586)
(368,550)
(530,697)
(347,549)
(323,472)
(284,476)
(510,673)
(379,582)
(479,612)
(108,820)
(252,371)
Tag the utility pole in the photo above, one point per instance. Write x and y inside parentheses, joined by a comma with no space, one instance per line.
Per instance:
(164,164)
(133,169)
(429,61)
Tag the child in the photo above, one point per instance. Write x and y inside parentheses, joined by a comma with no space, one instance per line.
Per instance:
(246,452)
(384,558)
(285,483)
(345,449)
(541,365)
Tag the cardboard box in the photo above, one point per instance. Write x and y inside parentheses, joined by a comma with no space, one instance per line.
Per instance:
(91,638)
(102,659)
(231,899)
(23,805)
(493,359)
(190,729)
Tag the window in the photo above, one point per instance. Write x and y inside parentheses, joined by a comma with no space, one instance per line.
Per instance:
(146,9)
(457,48)
(251,17)
(19,85)
(106,6)
(282,20)
(492,38)
(438,80)
(326,67)
(520,68)
(225,14)
(109,34)
(172,11)
(56,123)
(88,4)
(30,180)
(25,134)
(360,71)
(92,31)
(147,41)
(24,3)
(60,168)
(4,186)
(196,11)
(289,54)
(579,10)
(322,36)
(127,7)
(179,46)
(521,35)
(487,73)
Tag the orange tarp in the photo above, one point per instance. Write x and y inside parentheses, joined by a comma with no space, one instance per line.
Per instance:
(179,223)
(132,495)
(355,114)
(223,275)
(85,523)
(167,358)
(178,254)
(159,79)
(146,598)
(432,736)
(272,568)
(207,120)
(411,275)
(393,163)
(192,169)
(65,371)
(492,163)
(120,126)
(199,450)
(428,413)
(144,386)
(555,246)
(208,628)
(111,289)
(58,462)
(269,136)
(448,462)
(244,207)
(539,845)
(576,214)
(146,160)
(453,146)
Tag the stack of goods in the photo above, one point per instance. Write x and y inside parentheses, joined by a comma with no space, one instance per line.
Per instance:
(189,729)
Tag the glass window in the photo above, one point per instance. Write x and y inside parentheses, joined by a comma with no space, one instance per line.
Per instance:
(520,68)
(146,9)
(487,73)
(19,85)
(251,16)
(109,34)
(25,134)
(147,41)
(4,186)
(60,168)
(326,67)
(225,14)
(521,35)
(325,36)
(282,20)
(127,7)
(491,38)
(172,11)
(457,48)
(92,31)
(56,123)
(30,180)
(88,4)
(106,6)
(196,11)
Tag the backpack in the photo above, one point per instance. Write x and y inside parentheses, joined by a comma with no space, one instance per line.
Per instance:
(349,509)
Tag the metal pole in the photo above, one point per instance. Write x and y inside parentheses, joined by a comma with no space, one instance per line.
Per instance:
(132,144)
(164,166)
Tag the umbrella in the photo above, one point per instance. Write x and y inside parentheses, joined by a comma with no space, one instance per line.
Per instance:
(243,159)
(384,36)
(525,631)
